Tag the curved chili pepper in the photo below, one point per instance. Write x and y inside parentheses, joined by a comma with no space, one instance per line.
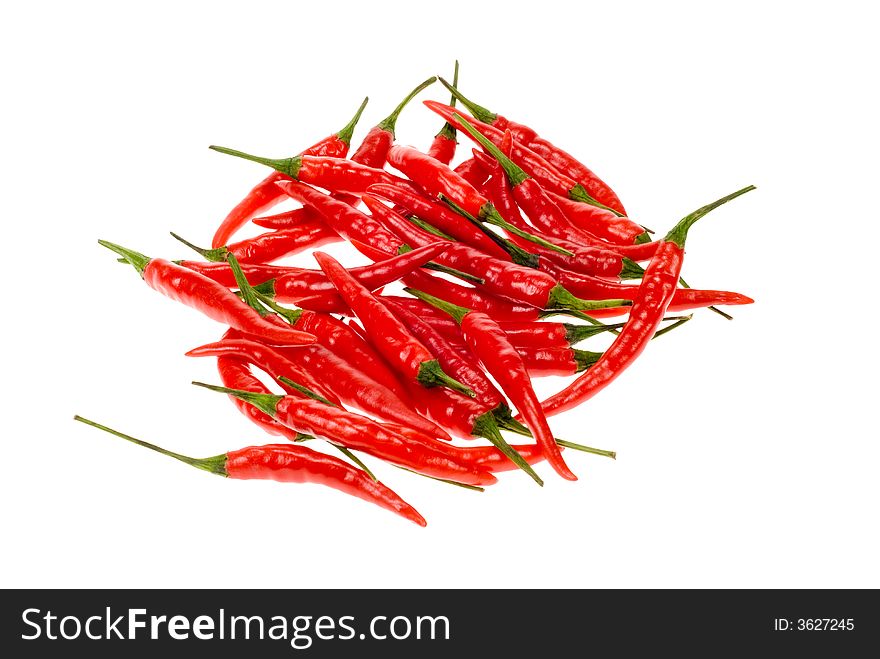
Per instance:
(236,374)
(440,216)
(333,174)
(265,195)
(488,342)
(374,148)
(292,463)
(360,433)
(267,359)
(443,146)
(599,222)
(549,177)
(562,160)
(213,300)
(502,278)
(272,245)
(387,333)
(339,382)
(287,219)
(543,362)
(655,294)
(288,284)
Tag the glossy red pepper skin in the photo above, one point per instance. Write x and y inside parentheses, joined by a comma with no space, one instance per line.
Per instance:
(472,171)
(435,178)
(591,287)
(346,220)
(267,359)
(319,370)
(651,303)
(360,433)
(287,219)
(442,148)
(488,342)
(472,298)
(274,245)
(502,278)
(491,459)
(291,463)
(387,334)
(462,367)
(265,194)
(340,339)
(440,216)
(217,302)
(293,284)
(236,374)
(599,222)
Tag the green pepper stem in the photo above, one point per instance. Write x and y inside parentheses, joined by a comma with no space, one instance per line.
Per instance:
(517,254)
(492,216)
(478,111)
(458,313)
(215,464)
(448,130)
(346,133)
(561,297)
(678,234)
(389,122)
(466,486)
(584,359)
(290,315)
(485,426)
(351,456)
(431,375)
(579,193)
(216,255)
(630,269)
(136,259)
(289,166)
(507,422)
(308,393)
(267,403)
(669,328)
(576,333)
(514,172)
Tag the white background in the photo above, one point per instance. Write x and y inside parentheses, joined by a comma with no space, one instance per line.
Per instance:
(748,450)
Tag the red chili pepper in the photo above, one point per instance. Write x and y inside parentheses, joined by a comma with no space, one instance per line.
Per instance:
(472,171)
(287,219)
(207,296)
(462,367)
(272,245)
(287,284)
(584,285)
(374,148)
(265,194)
(443,146)
(545,335)
(599,222)
(488,342)
(336,380)
(655,294)
(440,216)
(549,177)
(543,362)
(267,359)
(236,374)
(342,341)
(565,162)
(502,278)
(292,463)
(362,434)
(387,333)
(346,220)
(333,174)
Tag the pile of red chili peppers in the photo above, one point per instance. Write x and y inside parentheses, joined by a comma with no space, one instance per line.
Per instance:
(517,232)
